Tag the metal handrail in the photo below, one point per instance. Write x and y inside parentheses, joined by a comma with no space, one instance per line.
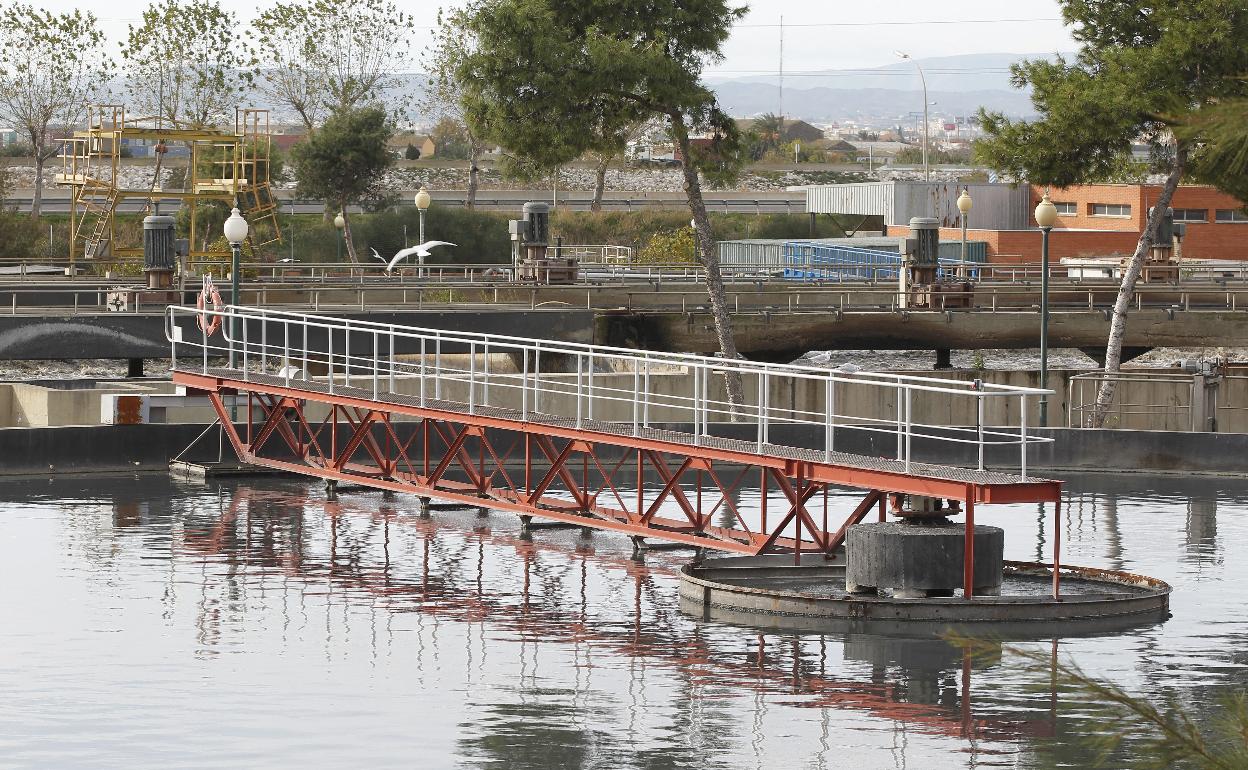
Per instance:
(277,342)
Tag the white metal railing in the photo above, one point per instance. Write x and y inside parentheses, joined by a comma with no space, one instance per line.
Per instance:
(638,389)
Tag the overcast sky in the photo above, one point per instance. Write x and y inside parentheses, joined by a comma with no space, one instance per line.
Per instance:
(878,29)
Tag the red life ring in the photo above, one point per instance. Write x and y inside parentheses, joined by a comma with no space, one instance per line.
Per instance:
(209,323)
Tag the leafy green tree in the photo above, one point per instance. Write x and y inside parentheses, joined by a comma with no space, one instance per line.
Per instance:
(51,66)
(1220,133)
(184,64)
(540,74)
(1144,69)
(411,152)
(770,131)
(321,57)
(345,160)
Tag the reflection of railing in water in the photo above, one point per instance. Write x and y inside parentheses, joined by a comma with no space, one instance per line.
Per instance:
(782,667)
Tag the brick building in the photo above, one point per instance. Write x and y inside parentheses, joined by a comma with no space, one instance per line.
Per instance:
(1093,220)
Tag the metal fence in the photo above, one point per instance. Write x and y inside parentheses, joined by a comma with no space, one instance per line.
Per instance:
(594,382)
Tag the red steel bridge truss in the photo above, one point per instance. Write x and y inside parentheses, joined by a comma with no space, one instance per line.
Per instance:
(646,444)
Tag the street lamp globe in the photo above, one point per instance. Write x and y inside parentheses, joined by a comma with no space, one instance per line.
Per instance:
(964,202)
(422,198)
(1046,213)
(339,222)
(236,228)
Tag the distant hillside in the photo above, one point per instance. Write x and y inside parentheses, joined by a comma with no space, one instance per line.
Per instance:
(958,84)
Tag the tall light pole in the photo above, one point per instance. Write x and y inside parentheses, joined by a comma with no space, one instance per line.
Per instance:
(235,232)
(422,205)
(340,222)
(927,177)
(964,208)
(1046,216)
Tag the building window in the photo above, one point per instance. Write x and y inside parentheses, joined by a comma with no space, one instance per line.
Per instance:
(1111,210)
(1067,208)
(1231,215)
(1191,215)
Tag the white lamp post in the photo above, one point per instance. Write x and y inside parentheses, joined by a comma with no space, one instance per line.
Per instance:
(235,232)
(923,80)
(422,205)
(964,208)
(340,222)
(1046,216)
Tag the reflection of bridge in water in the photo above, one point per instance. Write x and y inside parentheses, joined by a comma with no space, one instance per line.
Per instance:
(562,448)
(266,528)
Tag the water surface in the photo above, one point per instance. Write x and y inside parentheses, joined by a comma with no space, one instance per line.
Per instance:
(148,622)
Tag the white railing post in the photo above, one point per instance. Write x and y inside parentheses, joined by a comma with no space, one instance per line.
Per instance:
(979,423)
(900,410)
(645,407)
(829,413)
(437,366)
(590,376)
(422,371)
(390,355)
(376,364)
(766,408)
(286,352)
(472,378)
(346,354)
(246,349)
(485,388)
(637,395)
(1023,437)
(761,385)
(537,377)
(909,393)
(580,366)
(524,384)
(329,335)
(697,430)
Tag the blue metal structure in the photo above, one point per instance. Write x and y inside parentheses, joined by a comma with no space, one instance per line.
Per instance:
(806,261)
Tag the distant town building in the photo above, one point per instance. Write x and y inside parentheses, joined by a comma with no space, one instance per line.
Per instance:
(422,142)
(1093,220)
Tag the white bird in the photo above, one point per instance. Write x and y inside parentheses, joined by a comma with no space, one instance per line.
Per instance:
(419,250)
(287,260)
(378,256)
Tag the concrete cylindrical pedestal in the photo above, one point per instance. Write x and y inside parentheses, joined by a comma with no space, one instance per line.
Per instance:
(919,560)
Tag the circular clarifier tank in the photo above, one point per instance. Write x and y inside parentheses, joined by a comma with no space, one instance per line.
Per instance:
(811,595)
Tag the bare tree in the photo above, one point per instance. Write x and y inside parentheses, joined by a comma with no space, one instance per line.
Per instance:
(50,66)
(184,64)
(323,57)
(443,96)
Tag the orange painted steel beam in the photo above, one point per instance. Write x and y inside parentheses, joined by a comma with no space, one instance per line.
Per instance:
(437,460)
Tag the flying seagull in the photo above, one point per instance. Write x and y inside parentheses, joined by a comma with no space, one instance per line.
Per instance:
(421,250)
(378,256)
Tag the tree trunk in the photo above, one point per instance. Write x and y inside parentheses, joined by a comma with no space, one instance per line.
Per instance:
(710,261)
(36,203)
(1126,292)
(346,235)
(470,197)
(600,185)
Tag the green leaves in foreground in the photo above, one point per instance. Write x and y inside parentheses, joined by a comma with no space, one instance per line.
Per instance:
(1152,736)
